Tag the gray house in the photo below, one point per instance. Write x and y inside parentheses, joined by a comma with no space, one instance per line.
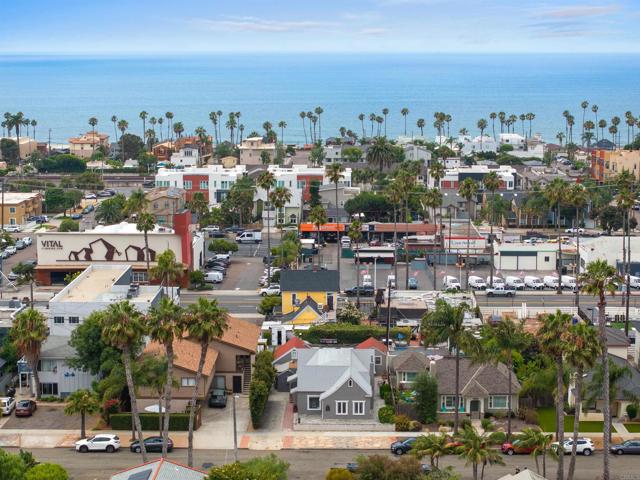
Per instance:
(334,383)
(406,366)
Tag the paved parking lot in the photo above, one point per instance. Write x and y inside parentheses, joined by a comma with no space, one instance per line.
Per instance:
(49,417)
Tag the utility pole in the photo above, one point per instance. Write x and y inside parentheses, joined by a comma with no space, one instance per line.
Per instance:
(388,311)
(235,431)
(2,205)
(49,150)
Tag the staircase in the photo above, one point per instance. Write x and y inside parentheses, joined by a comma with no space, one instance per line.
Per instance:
(243,365)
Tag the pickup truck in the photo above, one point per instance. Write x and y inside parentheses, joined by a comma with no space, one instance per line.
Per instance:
(500,291)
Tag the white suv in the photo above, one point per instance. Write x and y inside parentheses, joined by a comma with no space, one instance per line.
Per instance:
(7,404)
(104,442)
(270,290)
(12,228)
(584,446)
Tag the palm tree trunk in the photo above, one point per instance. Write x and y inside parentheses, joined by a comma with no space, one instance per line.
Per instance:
(266,204)
(576,423)
(510,366)
(628,277)
(204,344)
(146,247)
(126,356)
(491,269)
(338,234)
(560,414)
(606,408)
(468,239)
(577,256)
(544,465)
(456,407)
(31,292)
(535,457)
(83,432)
(36,378)
(358,276)
(559,265)
(168,390)
(395,241)
(406,244)
(482,470)
(475,471)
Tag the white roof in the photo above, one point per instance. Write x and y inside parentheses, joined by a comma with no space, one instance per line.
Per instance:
(14,198)
(126,227)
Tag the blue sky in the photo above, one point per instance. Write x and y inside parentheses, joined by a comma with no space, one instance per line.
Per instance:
(347,26)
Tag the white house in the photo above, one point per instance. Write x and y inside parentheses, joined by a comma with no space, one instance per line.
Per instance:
(213,181)
(454,176)
(477,144)
(187,156)
(332,153)
(417,153)
(518,142)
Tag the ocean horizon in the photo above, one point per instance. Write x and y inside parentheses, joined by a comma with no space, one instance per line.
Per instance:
(61,92)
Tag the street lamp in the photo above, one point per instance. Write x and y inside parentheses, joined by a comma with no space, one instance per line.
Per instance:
(235,430)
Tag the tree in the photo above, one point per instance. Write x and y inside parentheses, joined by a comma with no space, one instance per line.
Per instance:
(352,154)
(123,328)
(205,321)
(26,274)
(542,446)
(381,467)
(199,205)
(92,353)
(446,324)
(46,471)
(136,203)
(468,190)
(434,446)
(268,303)
(380,154)
(12,467)
(67,163)
(492,183)
(372,206)
(266,181)
(28,333)
(146,223)
(89,180)
(15,121)
(405,112)
(426,388)
(280,197)
(482,126)
(222,245)
(317,155)
(167,269)
(601,279)
(334,174)
(82,402)
(556,194)
(111,210)
(475,450)
(133,146)
(9,150)
(164,325)
(349,313)
(68,225)
(269,467)
(578,196)
(318,216)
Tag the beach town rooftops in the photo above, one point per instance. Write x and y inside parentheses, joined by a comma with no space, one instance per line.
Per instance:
(293,342)
(241,333)
(128,228)
(186,354)
(372,343)
(205,170)
(309,281)
(95,138)
(161,192)
(160,469)
(616,337)
(475,378)
(15,198)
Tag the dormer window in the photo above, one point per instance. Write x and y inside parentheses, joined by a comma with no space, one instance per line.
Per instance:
(350,383)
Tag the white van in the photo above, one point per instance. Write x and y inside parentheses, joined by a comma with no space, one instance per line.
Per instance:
(634,282)
(497,282)
(451,283)
(550,281)
(345,242)
(568,282)
(367,281)
(533,282)
(515,282)
(213,277)
(477,282)
(249,237)
(391,281)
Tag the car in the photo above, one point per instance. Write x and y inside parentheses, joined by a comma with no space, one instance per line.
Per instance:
(12,276)
(12,250)
(218,398)
(104,194)
(30,262)
(4,254)
(234,229)
(88,209)
(584,446)
(151,444)
(7,404)
(217,235)
(104,442)
(270,290)
(90,196)
(375,243)
(25,408)
(512,448)
(413,283)
(149,184)
(402,446)
(365,291)
(630,447)
(215,263)
(76,216)
(12,228)
(20,245)
(574,230)
(500,291)
(217,268)
(211,228)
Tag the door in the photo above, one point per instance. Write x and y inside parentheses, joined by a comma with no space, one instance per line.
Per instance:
(98,443)
(237,384)
(330,301)
(474,407)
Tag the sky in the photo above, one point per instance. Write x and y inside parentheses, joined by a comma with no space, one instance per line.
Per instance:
(104,27)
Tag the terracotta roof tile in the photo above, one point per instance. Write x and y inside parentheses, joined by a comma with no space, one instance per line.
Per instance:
(241,334)
(293,342)
(373,343)
(186,355)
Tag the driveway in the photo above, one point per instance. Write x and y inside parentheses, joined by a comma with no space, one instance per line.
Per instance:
(49,417)
(217,424)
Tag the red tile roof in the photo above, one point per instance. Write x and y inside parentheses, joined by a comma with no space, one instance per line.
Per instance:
(293,342)
(373,343)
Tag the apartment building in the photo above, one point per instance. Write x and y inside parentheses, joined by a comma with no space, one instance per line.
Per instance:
(609,163)
(251,151)
(17,207)
(213,181)
(455,176)
(165,203)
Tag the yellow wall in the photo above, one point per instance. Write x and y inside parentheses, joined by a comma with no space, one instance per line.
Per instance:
(318,297)
(620,160)
(306,317)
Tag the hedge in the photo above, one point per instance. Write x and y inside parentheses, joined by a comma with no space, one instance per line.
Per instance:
(150,421)
(264,376)
(345,333)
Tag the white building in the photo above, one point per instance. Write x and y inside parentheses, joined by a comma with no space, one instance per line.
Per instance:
(332,153)
(477,144)
(187,156)
(455,176)
(417,153)
(213,181)
(251,151)
(518,142)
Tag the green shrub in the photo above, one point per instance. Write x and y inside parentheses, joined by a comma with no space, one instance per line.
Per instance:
(426,388)
(632,410)
(415,426)
(386,414)
(46,471)
(339,474)
(403,423)
(465,422)
(346,333)
(385,389)
(51,399)
(487,425)
(264,375)
(178,422)
(528,415)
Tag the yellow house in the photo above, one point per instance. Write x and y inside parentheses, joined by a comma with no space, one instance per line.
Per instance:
(308,296)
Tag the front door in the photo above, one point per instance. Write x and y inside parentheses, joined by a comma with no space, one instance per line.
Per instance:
(237,384)
(474,406)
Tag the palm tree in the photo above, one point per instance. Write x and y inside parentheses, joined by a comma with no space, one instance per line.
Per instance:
(405,112)
(446,324)
(165,324)
(123,328)
(394,194)
(93,121)
(582,348)
(160,122)
(282,125)
(556,193)
(318,216)
(468,190)
(169,117)
(584,105)
(361,118)
(279,198)
(122,126)
(26,274)
(601,279)
(420,124)
(530,117)
(502,117)
(82,402)
(433,445)
(15,121)
(355,234)
(405,182)
(178,129)
(205,321)
(213,116)
(380,153)
(143,116)
(560,137)
(136,203)
(492,183)
(578,196)
(334,175)
(594,109)
(625,200)
(541,444)
(475,450)
(28,332)
(167,269)
(482,125)
(385,112)
(319,111)
(499,344)
(145,223)
(303,116)
(550,340)
(266,181)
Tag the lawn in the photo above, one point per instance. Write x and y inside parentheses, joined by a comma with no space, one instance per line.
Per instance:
(547,421)
(633,427)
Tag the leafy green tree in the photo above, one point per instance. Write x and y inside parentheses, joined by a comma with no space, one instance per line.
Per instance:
(63,163)
(268,303)
(46,471)
(9,150)
(89,181)
(28,333)
(82,402)
(199,205)
(317,155)
(92,353)
(12,467)
(26,275)
(196,278)
(380,154)
(222,245)
(68,225)
(239,201)
(476,450)
(381,467)
(426,388)
(352,154)
(350,313)
(132,146)
(112,210)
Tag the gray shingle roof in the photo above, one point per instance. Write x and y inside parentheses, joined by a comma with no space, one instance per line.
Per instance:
(410,361)
(309,281)
(616,337)
(162,469)
(475,379)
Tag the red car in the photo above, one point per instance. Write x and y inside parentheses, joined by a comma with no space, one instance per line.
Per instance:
(512,448)
(25,408)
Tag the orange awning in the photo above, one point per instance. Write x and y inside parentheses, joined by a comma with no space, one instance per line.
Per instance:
(327,227)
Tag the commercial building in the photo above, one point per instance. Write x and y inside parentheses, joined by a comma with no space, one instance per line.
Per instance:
(213,181)
(164,203)
(17,207)
(61,253)
(531,258)
(252,148)
(85,145)
(609,163)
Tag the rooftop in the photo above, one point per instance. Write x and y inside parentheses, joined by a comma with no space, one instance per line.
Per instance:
(241,333)
(57,346)
(186,355)
(309,281)
(160,469)
(14,198)
(125,227)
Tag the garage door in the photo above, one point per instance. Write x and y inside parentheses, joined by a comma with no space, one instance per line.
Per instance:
(527,263)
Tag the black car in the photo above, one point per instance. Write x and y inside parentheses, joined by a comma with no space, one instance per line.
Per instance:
(216,263)
(218,268)
(218,398)
(630,447)
(149,184)
(151,444)
(234,229)
(402,447)
(364,291)
(217,235)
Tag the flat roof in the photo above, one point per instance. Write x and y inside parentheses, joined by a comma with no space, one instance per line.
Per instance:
(19,197)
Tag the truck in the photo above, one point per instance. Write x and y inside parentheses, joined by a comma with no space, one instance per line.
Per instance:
(451,283)
(497,282)
(568,282)
(249,237)
(477,283)
(550,281)
(501,291)
(533,282)
(515,282)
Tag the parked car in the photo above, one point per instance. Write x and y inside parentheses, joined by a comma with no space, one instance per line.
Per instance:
(365,291)
(88,209)
(451,283)
(477,283)
(630,447)
(497,281)
(12,228)
(550,281)
(514,282)
(104,442)
(516,447)
(149,184)
(270,290)
(4,254)
(634,282)
(533,282)
(234,229)
(7,404)
(584,446)
(568,282)
(76,216)
(25,408)
(218,398)
(402,446)
(375,242)
(90,196)
(27,241)
(501,292)
(12,250)
(413,283)
(211,228)
(574,230)
(20,245)
(213,277)
(104,194)
(345,242)
(12,276)
(249,237)
(151,444)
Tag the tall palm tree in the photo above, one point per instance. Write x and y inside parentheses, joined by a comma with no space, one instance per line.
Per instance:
(594,109)
(394,195)
(601,279)
(114,120)
(446,324)
(530,117)
(266,181)
(319,111)
(279,198)
(122,126)
(625,200)
(499,344)
(93,121)
(584,105)
(160,122)
(28,332)
(542,444)
(303,116)
(334,174)
(123,328)
(213,116)
(560,137)
(136,203)
(355,234)
(502,117)
(432,198)
(143,116)
(82,402)
(582,348)
(482,125)
(165,325)
(420,124)
(602,124)
(15,121)
(492,183)
(282,125)
(434,446)
(578,196)
(318,216)
(468,190)
(167,269)
(169,117)
(550,340)
(405,112)
(385,112)
(556,194)
(380,153)
(493,117)
(178,129)
(145,223)
(311,127)
(361,118)
(205,321)
(406,181)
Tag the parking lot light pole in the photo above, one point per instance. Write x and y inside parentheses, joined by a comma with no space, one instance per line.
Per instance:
(235,431)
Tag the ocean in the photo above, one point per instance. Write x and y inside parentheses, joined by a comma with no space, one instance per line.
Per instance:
(61,93)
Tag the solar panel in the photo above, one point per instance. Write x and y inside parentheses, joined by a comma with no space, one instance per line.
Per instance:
(143,475)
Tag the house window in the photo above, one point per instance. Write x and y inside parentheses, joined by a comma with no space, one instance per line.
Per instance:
(546,259)
(139,277)
(58,320)
(155,205)
(342,407)
(498,401)
(48,389)
(188,381)
(166,204)
(350,383)
(74,320)
(378,360)
(294,299)
(12,209)
(302,184)
(47,366)
(358,407)
(313,402)
(280,183)
(204,185)
(448,402)
(408,377)
(294,354)
(188,184)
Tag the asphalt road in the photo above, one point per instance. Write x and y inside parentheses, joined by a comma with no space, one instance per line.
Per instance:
(313,464)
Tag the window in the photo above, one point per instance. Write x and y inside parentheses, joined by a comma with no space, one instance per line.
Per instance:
(12,210)
(139,277)
(166,204)
(313,402)
(224,184)
(342,407)
(294,354)
(350,383)
(155,205)
(294,298)
(188,184)
(408,377)
(498,401)
(74,320)
(204,185)
(280,183)
(378,360)
(188,381)
(58,320)
(546,258)
(47,366)
(358,407)
(448,402)
(48,389)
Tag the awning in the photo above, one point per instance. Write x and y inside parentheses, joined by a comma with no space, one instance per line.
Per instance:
(327,227)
